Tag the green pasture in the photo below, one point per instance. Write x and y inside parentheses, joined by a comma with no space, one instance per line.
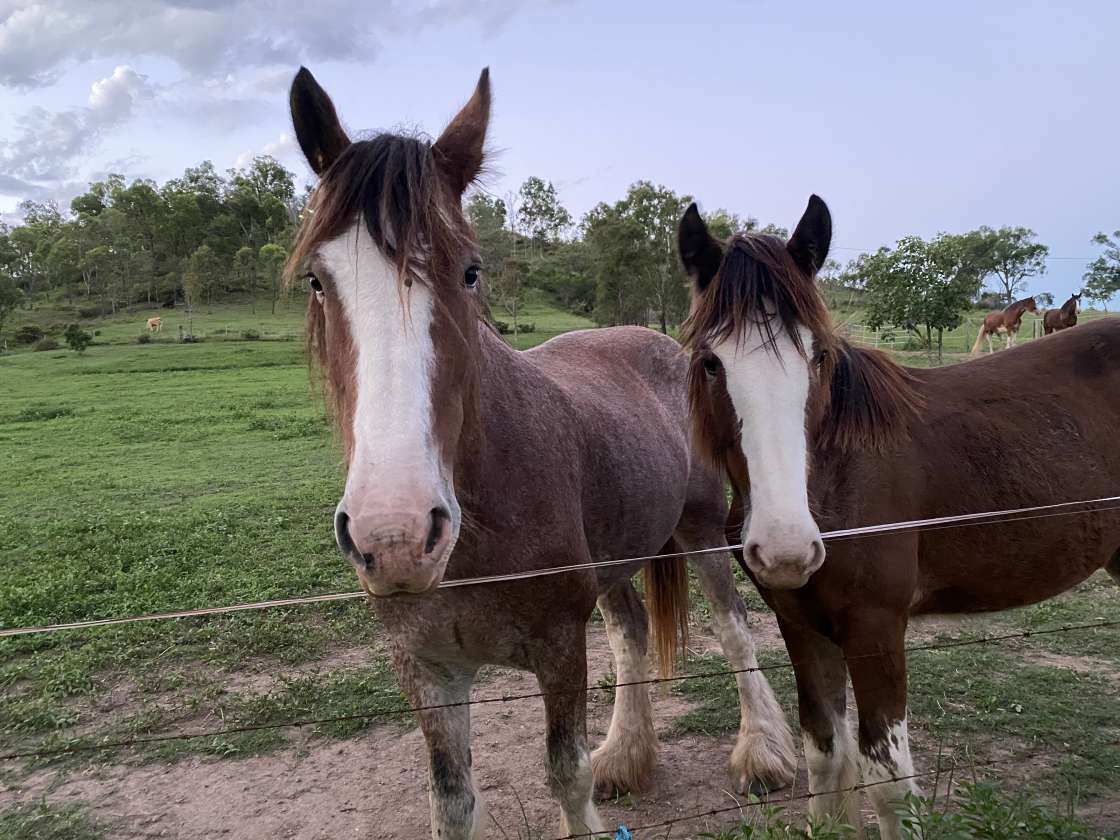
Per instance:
(138,478)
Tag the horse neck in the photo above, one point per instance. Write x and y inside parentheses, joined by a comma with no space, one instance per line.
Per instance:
(509,395)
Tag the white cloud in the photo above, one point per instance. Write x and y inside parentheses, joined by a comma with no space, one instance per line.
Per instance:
(283,148)
(49,143)
(39,40)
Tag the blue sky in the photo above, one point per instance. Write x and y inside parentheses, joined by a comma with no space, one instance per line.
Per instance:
(907,118)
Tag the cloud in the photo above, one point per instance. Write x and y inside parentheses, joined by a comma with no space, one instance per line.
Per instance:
(283,148)
(40,40)
(49,142)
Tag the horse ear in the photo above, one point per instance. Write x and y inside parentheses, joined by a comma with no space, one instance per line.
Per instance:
(458,150)
(318,129)
(810,241)
(701,253)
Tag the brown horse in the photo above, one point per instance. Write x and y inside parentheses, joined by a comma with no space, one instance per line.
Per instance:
(1006,323)
(805,422)
(468,458)
(1060,319)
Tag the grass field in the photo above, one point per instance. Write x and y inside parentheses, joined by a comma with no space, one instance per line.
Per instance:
(143,478)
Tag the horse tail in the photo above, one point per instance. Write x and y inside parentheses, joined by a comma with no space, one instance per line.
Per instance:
(666,585)
(979,338)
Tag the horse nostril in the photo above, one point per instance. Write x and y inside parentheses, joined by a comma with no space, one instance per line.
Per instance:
(342,537)
(816,549)
(754,552)
(439,517)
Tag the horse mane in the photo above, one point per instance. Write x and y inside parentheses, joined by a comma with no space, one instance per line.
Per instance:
(866,399)
(392,182)
(1019,305)
(863,398)
(757,282)
(1069,305)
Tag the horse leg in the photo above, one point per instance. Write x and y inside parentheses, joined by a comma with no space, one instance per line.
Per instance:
(830,749)
(874,649)
(569,766)
(625,760)
(457,809)
(763,750)
(989,337)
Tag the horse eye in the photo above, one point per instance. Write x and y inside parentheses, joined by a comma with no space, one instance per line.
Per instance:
(470,276)
(711,365)
(316,287)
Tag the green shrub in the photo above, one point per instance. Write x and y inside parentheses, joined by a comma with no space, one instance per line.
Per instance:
(144,338)
(46,344)
(77,338)
(28,334)
(191,339)
(251,335)
(506,328)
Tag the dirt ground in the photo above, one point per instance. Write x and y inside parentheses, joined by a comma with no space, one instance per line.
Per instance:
(375,786)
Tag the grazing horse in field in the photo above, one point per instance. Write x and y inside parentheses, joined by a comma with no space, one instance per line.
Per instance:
(467,458)
(815,432)
(1060,319)
(1006,323)
(155,324)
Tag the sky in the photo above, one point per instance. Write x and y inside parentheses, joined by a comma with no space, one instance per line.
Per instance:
(907,118)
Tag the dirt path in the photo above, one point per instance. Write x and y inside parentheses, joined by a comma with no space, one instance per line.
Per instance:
(375,786)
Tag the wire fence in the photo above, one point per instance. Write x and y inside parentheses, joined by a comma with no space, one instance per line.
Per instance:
(125,743)
(1082,507)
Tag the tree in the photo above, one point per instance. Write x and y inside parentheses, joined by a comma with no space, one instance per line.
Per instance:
(1102,280)
(245,273)
(922,287)
(643,275)
(507,289)
(623,266)
(11,295)
(1011,254)
(543,216)
(488,217)
(77,338)
(270,266)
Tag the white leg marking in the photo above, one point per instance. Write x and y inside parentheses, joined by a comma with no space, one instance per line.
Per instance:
(624,761)
(763,749)
(577,810)
(887,772)
(834,770)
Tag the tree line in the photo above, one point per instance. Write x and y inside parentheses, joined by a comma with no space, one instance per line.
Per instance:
(198,237)
(206,236)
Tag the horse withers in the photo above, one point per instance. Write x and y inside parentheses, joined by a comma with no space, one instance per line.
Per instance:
(815,432)
(1062,319)
(466,458)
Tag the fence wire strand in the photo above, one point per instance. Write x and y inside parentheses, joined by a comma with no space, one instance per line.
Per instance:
(75,749)
(1089,506)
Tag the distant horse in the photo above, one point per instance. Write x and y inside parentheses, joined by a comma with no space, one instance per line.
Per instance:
(1006,323)
(1060,319)
(155,324)
(805,422)
(466,457)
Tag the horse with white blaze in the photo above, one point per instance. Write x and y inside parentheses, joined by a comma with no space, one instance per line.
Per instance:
(467,458)
(814,431)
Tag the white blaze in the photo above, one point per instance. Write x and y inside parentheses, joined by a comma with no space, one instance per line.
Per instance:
(395,458)
(769,388)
